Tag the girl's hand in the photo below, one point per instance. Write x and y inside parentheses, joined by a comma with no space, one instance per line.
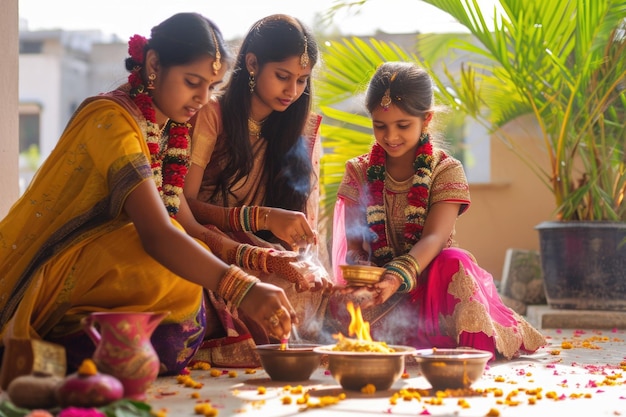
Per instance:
(268,305)
(375,294)
(289,226)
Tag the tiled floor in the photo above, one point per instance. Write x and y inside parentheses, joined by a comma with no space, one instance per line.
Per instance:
(581,372)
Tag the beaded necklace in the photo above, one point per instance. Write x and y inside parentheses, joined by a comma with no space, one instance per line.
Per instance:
(416,208)
(170,164)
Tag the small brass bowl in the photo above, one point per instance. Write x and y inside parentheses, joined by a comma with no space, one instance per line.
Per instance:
(452,368)
(296,363)
(361,274)
(354,370)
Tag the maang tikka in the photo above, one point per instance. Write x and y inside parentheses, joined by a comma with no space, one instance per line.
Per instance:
(385,101)
(304,58)
(217,64)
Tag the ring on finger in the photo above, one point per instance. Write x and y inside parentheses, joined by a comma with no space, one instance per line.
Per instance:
(274,320)
(279,312)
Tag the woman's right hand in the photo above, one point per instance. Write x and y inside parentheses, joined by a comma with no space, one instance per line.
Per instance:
(268,305)
(289,226)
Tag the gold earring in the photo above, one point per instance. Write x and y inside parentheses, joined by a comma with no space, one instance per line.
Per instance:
(151,79)
(251,82)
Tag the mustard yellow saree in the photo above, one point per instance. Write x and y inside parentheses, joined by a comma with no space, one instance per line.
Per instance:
(67,249)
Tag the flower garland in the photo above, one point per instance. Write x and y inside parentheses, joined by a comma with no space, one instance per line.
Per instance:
(416,208)
(169,165)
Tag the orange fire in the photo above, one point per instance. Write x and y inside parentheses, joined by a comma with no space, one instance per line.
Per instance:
(358,327)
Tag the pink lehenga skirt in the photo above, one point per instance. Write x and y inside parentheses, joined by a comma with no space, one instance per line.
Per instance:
(456,303)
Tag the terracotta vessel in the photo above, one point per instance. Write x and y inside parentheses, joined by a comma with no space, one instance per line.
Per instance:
(123,348)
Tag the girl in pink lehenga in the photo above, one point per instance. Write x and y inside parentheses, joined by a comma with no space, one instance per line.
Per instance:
(396,208)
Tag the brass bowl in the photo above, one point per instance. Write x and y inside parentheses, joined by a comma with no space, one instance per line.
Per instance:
(296,363)
(452,368)
(354,370)
(361,274)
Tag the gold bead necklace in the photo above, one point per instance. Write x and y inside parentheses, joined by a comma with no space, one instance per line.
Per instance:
(254,127)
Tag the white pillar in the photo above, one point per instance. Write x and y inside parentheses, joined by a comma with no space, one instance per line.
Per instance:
(9,99)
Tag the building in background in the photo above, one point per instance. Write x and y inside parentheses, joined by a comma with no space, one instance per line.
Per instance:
(57,70)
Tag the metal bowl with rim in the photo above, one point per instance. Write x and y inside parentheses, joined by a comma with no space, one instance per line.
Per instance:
(354,370)
(295,363)
(361,274)
(452,368)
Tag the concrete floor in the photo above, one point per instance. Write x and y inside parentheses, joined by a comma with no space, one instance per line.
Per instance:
(580,372)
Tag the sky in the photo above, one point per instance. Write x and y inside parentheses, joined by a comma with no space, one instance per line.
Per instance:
(124,18)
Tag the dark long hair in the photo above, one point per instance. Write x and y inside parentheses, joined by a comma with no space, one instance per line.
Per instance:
(287,165)
(182,39)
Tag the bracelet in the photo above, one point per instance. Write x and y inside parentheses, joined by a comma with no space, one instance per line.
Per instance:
(245,218)
(405,269)
(235,284)
(267,214)
(411,259)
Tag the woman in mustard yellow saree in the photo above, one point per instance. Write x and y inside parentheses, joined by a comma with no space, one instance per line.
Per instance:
(104,226)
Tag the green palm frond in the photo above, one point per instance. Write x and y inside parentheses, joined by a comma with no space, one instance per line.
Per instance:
(563,62)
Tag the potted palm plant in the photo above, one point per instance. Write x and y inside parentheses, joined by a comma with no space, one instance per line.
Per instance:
(563,64)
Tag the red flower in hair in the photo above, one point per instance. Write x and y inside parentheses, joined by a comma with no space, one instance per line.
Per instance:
(136,48)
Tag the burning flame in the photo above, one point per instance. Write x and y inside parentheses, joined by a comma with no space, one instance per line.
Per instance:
(361,330)
(358,327)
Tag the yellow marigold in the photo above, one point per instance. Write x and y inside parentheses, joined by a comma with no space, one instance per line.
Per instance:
(215,373)
(368,389)
(297,389)
(202,365)
(493,412)
(286,400)
(87,368)
(261,390)
(232,374)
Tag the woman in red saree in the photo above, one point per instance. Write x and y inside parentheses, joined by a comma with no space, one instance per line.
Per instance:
(396,208)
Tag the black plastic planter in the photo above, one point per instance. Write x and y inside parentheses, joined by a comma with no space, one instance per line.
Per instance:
(584,264)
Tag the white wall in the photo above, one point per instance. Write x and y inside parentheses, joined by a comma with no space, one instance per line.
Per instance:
(39,86)
(9,118)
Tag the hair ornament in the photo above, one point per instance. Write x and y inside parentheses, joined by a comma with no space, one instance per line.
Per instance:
(304,58)
(217,64)
(386,100)
(136,46)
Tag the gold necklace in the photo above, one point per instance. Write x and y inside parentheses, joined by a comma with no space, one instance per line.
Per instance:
(254,127)
(163,128)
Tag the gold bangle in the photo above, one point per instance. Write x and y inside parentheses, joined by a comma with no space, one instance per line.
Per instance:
(267,213)
(413,262)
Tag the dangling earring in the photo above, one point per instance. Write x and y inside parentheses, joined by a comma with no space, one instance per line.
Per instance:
(251,82)
(151,79)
